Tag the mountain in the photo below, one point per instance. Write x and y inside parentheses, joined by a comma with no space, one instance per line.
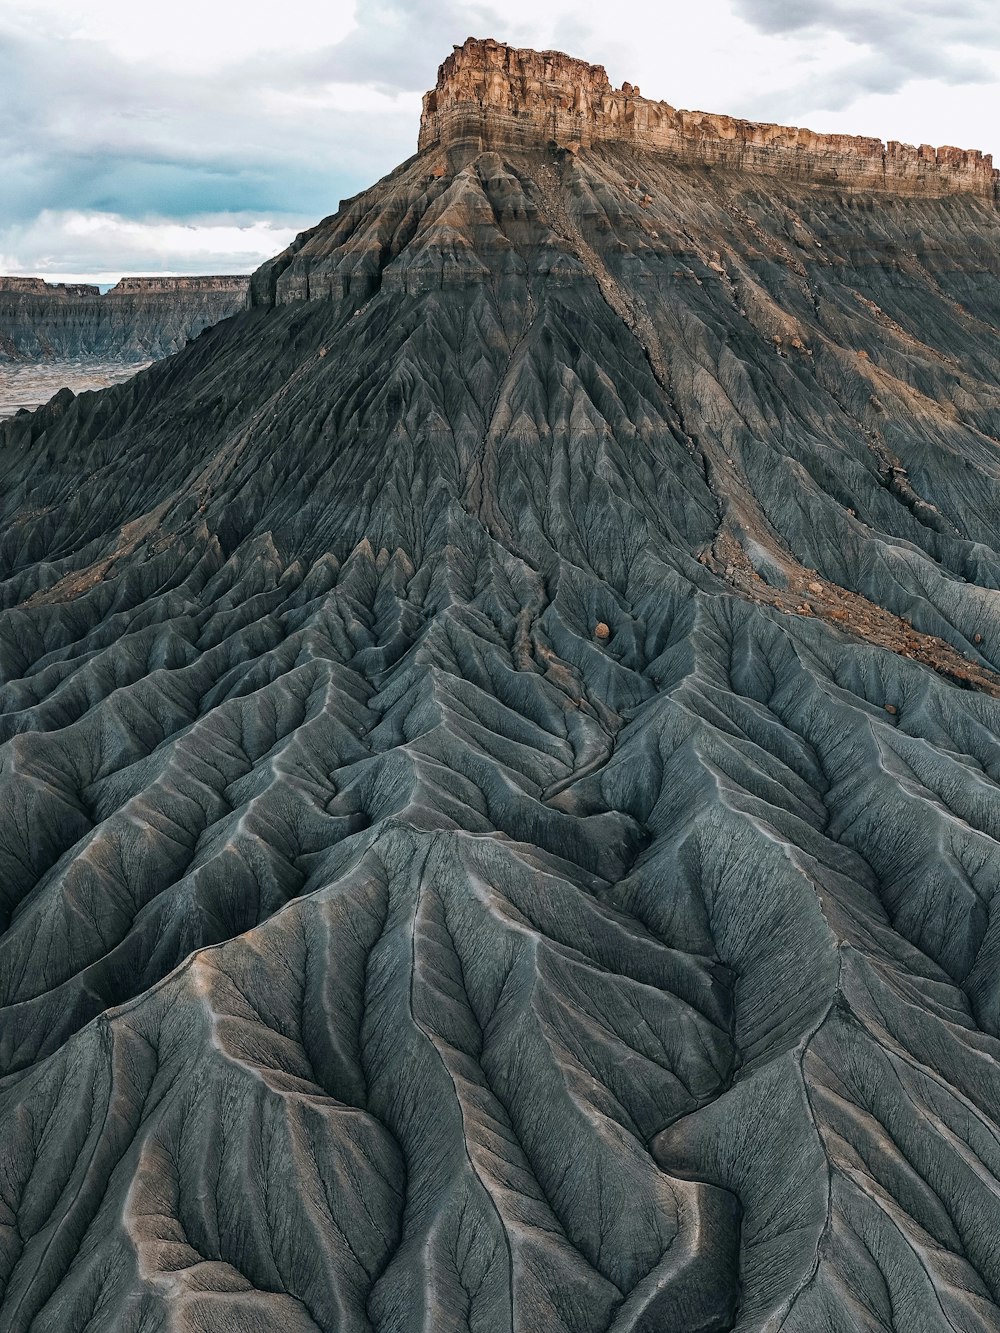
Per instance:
(500,755)
(138,320)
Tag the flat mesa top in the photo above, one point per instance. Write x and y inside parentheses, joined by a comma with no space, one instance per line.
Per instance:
(491,95)
(202,282)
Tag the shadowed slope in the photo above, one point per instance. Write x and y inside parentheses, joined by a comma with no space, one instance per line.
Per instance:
(499,776)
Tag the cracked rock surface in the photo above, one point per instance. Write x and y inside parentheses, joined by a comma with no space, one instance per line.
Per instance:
(499,777)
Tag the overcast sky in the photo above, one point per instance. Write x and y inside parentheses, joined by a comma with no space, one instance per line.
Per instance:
(200,135)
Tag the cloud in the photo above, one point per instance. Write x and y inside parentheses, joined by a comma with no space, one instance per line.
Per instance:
(138,139)
(885,46)
(103,246)
(398,44)
(191,34)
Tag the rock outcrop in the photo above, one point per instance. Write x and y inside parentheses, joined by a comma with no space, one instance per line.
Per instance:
(499,775)
(140,319)
(53,290)
(490,95)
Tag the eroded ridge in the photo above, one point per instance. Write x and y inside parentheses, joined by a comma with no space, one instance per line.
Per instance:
(499,776)
(493,96)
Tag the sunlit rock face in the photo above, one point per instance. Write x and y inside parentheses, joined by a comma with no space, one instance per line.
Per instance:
(499,773)
(495,95)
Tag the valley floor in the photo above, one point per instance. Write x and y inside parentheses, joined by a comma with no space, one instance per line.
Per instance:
(28,385)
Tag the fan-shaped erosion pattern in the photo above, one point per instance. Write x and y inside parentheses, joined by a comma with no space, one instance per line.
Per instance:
(499,773)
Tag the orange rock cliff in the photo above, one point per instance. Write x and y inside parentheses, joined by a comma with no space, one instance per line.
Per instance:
(491,95)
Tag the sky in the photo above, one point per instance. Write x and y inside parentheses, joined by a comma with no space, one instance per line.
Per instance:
(200,136)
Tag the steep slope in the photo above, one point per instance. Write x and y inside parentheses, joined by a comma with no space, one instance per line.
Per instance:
(500,759)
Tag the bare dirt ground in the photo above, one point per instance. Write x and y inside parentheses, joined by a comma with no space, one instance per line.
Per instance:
(29,385)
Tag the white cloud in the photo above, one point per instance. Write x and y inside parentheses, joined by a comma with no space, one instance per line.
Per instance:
(354,99)
(102,247)
(189,35)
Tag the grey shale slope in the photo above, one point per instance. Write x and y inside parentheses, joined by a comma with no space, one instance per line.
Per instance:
(500,767)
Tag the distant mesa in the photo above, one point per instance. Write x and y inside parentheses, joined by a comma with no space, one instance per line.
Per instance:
(212,282)
(39,287)
(137,320)
(491,95)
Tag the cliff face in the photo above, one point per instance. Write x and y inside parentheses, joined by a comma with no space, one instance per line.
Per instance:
(500,779)
(490,95)
(140,319)
(53,290)
(234,285)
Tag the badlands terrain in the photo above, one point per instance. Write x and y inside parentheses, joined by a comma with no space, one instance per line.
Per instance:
(500,760)
(59,335)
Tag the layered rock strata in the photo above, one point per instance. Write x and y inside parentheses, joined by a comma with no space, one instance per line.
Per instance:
(138,320)
(490,95)
(53,290)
